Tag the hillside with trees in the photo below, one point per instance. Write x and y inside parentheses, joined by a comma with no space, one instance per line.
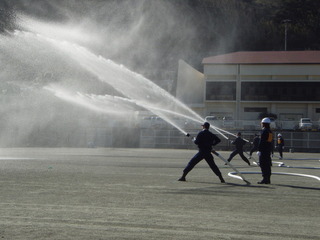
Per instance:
(159,33)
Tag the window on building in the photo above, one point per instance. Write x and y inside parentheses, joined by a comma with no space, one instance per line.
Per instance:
(255,109)
(221,77)
(221,91)
(280,91)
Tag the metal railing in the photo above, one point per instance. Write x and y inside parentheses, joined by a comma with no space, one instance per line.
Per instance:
(159,136)
(171,138)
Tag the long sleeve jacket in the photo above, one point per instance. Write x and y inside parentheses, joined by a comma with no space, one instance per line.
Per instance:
(239,143)
(256,141)
(280,142)
(266,141)
(206,139)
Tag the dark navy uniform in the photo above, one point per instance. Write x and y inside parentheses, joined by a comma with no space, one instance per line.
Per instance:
(280,145)
(265,148)
(205,140)
(255,144)
(239,142)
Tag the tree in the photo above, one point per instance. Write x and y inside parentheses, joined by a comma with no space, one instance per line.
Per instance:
(7,17)
(304,29)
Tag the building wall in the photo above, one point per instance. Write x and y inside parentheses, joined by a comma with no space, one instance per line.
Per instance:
(190,84)
(220,109)
(280,69)
(261,69)
(215,70)
(233,75)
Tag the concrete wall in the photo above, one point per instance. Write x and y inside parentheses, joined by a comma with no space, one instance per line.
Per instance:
(261,69)
(280,69)
(190,85)
(262,72)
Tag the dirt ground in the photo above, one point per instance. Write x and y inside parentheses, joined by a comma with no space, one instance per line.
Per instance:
(100,193)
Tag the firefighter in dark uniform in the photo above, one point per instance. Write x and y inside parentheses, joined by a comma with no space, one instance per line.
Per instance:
(239,143)
(205,141)
(264,151)
(280,145)
(255,144)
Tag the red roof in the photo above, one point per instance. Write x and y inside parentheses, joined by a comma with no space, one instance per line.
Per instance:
(267,57)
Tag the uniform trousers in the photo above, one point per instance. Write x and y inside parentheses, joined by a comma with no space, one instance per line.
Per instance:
(265,165)
(235,152)
(280,149)
(200,156)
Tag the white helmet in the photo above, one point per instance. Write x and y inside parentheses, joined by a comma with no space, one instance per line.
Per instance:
(279,135)
(266,120)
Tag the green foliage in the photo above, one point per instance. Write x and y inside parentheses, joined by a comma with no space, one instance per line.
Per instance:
(7,17)
(185,29)
(303,30)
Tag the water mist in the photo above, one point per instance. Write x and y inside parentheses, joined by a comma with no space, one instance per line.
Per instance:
(50,67)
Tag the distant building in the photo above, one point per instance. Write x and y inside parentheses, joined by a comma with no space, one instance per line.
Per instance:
(242,85)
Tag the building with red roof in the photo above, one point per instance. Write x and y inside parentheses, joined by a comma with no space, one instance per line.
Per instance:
(242,85)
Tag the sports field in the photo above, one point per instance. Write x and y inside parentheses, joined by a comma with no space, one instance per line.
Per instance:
(100,193)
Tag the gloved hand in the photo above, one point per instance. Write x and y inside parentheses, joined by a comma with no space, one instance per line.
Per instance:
(259,153)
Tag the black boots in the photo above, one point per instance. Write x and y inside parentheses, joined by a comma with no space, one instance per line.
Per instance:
(182,179)
(264,182)
(221,179)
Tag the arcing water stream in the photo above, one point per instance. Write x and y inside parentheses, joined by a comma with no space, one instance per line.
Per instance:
(132,85)
(36,52)
(30,59)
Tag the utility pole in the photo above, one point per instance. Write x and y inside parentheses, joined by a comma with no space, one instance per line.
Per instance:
(286,21)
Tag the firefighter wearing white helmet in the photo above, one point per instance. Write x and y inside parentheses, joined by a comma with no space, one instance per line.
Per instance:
(264,151)
(266,120)
(280,145)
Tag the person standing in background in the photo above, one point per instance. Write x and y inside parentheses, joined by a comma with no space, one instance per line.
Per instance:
(280,145)
(255,144)
(264,151)
(239,143)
